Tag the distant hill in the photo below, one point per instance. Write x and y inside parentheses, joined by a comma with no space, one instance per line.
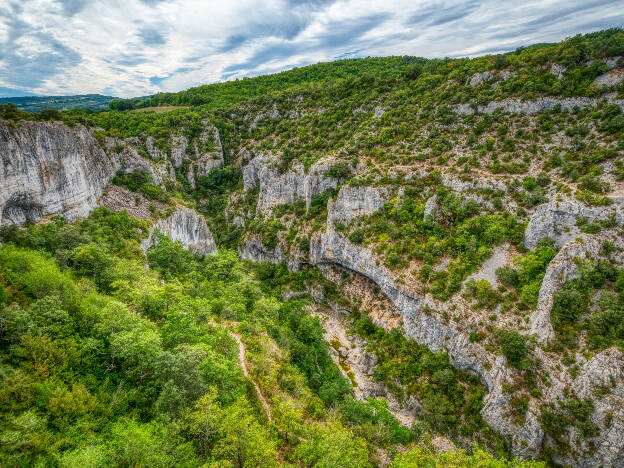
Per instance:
(38,103)
(11,92)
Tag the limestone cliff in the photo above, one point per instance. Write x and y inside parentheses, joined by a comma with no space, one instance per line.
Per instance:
(49,168)
(279,187)
(186,226)
(426,320)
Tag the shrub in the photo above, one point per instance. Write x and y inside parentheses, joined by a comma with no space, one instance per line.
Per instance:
(357,236)
(514,349)
(567,306)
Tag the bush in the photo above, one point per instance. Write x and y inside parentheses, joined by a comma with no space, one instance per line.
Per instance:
(567,306)
(413,71)
(514,349)
(357,236)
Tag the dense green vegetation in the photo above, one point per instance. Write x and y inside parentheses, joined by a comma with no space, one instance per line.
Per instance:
(419,457)
(104,364)
(107,363)
(593,302)
(234,92)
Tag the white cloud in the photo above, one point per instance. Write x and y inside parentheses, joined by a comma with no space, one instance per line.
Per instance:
(139,47)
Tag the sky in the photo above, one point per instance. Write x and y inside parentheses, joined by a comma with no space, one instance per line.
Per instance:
(132,48)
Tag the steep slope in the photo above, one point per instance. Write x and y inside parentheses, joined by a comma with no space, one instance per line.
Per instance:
(483,199)
(49,168)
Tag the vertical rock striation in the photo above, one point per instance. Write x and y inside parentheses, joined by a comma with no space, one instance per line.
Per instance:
(186,226)
(49,168)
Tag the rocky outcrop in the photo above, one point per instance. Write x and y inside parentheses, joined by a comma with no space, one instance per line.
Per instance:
(610,78)
(558,220)
(602,371)
(138,153)
(426,327)
(478,78)
(481,77)
(533,107)
(186,226)
(562,268)
(117,198)
(357,364)
(49,168)
(431,208)
(452,181)
(126,157)
(277,188)
(253,249)
(557,70)
(353,202)
(207,155)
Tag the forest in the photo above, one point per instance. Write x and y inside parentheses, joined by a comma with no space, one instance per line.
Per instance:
(105,363)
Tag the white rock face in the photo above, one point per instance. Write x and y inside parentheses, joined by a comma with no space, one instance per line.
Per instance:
(48,168)
(478,78)
(178,149)
(562,268)
(488,268)
(128,159)
(186,226)
(353,202)
(557,220)
(279,189)
(431,208)
(612,77)
(253,249)
(557,70)
(535,106)
(203,161)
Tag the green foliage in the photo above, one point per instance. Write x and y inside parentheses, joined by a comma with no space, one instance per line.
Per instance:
(214,190)
(572,412)
(332,445)
(595,302)
(91,378)
(450,399)
(527,278)
(170,258)
(234,92)
(514,349)
(418,457)
(140,180)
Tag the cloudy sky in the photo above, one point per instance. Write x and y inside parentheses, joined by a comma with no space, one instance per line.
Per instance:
(139,47)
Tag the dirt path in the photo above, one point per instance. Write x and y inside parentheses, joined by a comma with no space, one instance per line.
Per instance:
(242,359)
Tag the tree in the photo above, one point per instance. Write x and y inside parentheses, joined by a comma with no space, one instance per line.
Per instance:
(514,348)
(243,441)
(413,71)
(333,445)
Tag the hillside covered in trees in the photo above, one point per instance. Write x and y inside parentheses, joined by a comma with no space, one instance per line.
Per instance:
(420,263)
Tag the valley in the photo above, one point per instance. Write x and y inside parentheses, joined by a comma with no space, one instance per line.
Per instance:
(370,262)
